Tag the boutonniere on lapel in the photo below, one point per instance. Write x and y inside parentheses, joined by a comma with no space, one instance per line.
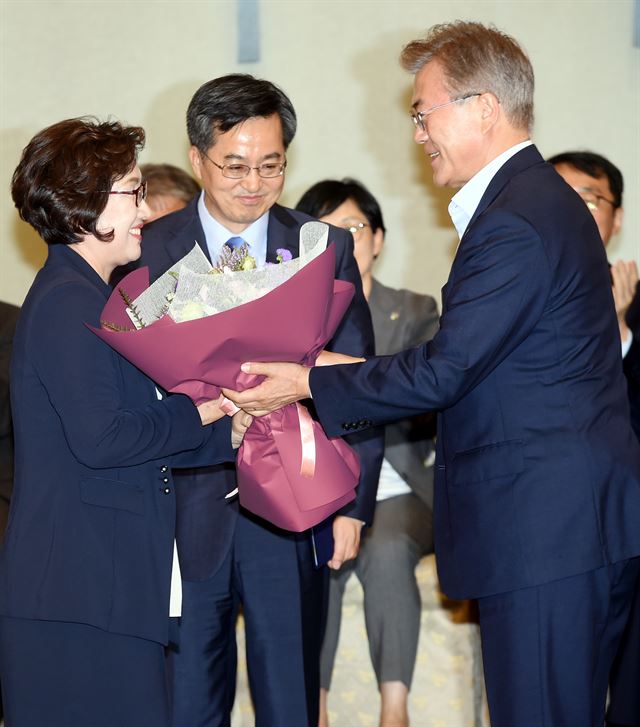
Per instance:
(283,255)
(289,471)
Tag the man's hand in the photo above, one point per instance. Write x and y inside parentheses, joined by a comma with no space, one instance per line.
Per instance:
(346,539)
(284,384)
(240,422)
(625,279)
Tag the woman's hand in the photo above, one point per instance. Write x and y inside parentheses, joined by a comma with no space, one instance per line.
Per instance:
(240,422)
(331,358)
(212,410)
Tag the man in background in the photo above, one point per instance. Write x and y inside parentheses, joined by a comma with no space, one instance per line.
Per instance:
(240,128)
(169,188)
(600,184)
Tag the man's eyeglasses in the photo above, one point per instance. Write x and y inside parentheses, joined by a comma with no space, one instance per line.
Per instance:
(139,193)
(267,170)
(357,228)
(593,200)
(419,117)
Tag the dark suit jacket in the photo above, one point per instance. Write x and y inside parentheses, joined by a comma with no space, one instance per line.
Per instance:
(631,363)
(91,528)
(8,319)
(537,469)
(403,319)
(206,521)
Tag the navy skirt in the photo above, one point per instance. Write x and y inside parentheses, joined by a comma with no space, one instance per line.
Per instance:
(62,674)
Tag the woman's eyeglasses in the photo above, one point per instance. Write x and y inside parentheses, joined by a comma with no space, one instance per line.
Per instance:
(140,193)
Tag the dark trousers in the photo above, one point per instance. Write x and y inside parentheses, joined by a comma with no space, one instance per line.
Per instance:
(547,650)
(57,674)
(270,574)
(624,686)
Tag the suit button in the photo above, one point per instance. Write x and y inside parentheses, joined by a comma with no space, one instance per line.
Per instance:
(346,426)
(165,480)
(165,490)
(164,468)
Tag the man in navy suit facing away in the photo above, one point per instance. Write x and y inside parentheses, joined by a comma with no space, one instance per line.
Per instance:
(537,482)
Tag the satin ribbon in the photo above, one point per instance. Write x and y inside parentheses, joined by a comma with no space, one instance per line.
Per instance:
(307,438)
(228,407)
(307,441)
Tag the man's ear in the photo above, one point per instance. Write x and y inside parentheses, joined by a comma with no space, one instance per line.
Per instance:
(618,215)
(378,241)
(196,162)
(489,109)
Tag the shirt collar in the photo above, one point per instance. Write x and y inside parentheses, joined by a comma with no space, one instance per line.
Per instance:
(217,234)
(465,202)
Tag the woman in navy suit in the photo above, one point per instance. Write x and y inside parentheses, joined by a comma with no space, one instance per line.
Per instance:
(86,565)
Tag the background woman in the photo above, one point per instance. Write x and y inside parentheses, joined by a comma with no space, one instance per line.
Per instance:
(401,532)
(86,566)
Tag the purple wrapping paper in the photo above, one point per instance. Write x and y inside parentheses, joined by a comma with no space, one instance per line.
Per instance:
(293,322)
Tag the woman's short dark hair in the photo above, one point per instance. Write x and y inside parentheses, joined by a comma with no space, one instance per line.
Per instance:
(61,185)
(325,197)
(220,104)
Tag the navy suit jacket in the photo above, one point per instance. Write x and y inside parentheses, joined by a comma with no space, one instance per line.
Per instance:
(206,520)
(92,520)
(537,468)
(631,363)
(8,319)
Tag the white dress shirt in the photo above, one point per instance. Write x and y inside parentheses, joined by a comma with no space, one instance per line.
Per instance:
(216,234)
(465,202)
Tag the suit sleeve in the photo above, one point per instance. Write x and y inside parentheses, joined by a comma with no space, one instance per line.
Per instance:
(497,292)
(355,337)
(83,380)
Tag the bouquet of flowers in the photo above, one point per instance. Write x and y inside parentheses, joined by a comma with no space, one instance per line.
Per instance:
(192,329)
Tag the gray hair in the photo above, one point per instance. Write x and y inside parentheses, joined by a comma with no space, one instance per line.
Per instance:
(478,59)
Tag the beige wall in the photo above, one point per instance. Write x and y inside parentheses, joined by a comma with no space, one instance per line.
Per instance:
(337,59)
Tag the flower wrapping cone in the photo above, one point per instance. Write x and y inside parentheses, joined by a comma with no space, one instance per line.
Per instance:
(293,322)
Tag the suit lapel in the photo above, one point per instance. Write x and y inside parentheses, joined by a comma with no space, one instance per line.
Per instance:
(385,314)
(283,232)
(524,159)
(188,231)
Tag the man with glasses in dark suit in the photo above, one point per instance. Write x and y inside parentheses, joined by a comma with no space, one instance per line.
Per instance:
(240,128)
